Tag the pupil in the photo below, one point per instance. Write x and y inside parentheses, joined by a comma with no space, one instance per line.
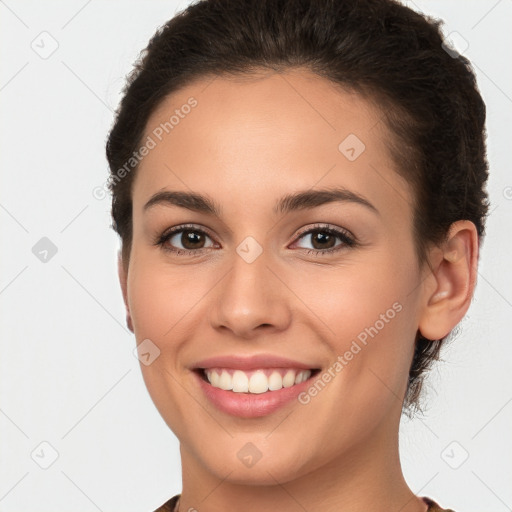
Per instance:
(325,237)
(188,238)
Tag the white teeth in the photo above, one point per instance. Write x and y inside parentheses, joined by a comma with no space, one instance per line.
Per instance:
(289,379)
(275,381)
(240,382)
(225,381)
(256,381)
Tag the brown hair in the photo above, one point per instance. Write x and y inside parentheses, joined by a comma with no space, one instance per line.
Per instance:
(379,48)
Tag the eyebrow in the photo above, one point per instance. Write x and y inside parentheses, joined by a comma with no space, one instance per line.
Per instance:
(288,203)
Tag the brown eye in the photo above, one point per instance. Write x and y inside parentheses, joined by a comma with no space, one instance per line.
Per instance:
(323,240)
(192,239)
(185,240)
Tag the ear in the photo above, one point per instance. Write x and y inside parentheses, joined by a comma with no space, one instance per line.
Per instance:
(124,287)
(450,287)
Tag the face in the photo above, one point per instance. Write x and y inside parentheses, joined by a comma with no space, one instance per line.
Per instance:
(328,281)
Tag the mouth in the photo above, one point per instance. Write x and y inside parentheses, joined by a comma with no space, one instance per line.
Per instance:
(256,381)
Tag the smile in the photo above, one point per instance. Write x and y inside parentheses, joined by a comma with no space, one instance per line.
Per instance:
(255,381)
(252,393)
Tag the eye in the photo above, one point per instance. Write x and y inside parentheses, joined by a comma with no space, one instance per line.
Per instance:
(190,240)
(324,238)
(184,240)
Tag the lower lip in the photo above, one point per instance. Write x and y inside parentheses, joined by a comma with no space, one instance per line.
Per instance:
(251,405)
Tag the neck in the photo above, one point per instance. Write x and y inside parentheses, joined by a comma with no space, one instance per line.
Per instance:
(368,477)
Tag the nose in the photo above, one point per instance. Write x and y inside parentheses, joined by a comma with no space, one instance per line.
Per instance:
(251,299)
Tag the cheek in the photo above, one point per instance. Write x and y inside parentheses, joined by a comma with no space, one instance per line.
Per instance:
(159,304)
(161,297)
(353,295)
(366,313)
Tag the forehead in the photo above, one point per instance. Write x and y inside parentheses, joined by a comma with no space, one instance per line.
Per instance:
(268,135)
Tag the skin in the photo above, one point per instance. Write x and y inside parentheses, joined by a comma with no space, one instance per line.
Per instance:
(246,144)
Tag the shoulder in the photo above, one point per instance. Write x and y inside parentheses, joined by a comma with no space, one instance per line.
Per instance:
(433,506)
(168,506)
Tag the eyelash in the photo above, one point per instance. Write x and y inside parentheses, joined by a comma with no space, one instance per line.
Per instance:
(347,239)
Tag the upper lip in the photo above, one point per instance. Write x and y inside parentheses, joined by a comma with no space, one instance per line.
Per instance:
(250,362)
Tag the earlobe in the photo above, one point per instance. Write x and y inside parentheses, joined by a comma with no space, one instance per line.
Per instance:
(454,277)
(124,288)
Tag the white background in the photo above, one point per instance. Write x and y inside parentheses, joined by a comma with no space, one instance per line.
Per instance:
(67,373)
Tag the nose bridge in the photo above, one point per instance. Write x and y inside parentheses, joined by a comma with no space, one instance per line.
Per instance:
(250,296)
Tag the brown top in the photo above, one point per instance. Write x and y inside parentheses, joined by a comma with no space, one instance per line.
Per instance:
(432,505)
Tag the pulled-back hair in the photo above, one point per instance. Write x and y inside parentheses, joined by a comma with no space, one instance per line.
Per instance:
(388,53)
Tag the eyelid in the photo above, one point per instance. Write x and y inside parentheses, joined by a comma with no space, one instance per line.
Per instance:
(185,227)
(320,226)
(346,237)
(348,240)
(161,239)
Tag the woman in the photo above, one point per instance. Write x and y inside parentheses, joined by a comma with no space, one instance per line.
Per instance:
(299,192)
